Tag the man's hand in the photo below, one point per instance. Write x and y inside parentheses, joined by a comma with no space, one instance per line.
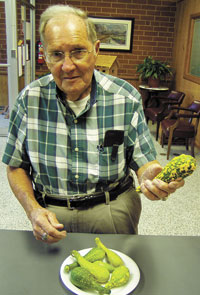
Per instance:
(156,189)
(44,221)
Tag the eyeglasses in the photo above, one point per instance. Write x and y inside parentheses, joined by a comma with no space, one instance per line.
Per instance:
(76,56)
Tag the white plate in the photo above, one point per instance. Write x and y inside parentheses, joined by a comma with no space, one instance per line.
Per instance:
(124,290)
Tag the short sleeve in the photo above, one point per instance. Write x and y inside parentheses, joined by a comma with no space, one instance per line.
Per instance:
(15,153)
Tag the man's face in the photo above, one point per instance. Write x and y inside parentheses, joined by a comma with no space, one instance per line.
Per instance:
(66,34)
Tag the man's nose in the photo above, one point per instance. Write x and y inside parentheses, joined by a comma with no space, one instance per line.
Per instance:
(68,64)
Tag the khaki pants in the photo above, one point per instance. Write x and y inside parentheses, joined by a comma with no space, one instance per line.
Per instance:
(120,216)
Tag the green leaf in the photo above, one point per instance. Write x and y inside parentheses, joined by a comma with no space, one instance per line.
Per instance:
(153,68)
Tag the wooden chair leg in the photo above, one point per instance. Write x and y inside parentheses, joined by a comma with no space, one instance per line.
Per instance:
(3,112)
(187,143)
(162,138)
(192,146)
(157,129)
(169,143)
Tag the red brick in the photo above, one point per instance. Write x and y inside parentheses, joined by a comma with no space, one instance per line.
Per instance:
(146,38)
(160,47)
(159,39)
(151,33)
(155,2)
(148,17)
(124,11)
(119,5)
(135,1)
(153,29)
(150,12)
(166,54)
(139,33)
(170,3)
(149,43)
(109,10)
(161,29)
(145,28)
(140,22)
(135,6)
(149,7)
(73,3)
(168,13)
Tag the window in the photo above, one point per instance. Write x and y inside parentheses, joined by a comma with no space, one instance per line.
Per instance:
(192,62)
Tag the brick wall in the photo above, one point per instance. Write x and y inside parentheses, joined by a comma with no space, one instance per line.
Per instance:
(3,55)
(153,30)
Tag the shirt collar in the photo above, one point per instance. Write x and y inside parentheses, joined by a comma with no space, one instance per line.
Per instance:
(93,93)
(61,95)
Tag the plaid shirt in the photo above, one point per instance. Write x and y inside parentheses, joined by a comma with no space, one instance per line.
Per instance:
(65,154)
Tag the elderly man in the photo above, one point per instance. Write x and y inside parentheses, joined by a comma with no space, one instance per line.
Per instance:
(75,136)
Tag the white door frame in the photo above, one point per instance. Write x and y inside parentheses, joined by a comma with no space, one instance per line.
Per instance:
(11,42)
(11,65)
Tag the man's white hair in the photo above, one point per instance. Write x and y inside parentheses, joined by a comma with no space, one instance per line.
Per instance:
(56,10)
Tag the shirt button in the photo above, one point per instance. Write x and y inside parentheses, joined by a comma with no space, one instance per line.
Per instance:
(75,121)
(76,176)
(76,149)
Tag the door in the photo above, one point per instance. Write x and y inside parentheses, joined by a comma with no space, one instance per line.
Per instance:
(8,62)
(10,59)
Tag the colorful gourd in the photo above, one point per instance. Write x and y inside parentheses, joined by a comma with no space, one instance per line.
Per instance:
(93,255)
(109,267)
(112,257)
(82,278)
(101,274)
(89,276)
(119,277)
(180,166)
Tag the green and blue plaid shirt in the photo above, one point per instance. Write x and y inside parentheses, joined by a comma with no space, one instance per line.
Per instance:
(64,154)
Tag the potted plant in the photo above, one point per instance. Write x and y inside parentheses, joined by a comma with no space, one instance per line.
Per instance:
(154,71)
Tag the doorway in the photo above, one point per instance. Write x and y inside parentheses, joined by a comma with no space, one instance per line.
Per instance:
(17,53)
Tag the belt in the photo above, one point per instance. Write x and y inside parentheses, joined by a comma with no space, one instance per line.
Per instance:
(89,200)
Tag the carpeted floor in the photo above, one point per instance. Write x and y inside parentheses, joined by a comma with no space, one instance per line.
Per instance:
(179,215)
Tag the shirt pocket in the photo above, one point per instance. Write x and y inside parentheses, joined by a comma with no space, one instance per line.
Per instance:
(110,169)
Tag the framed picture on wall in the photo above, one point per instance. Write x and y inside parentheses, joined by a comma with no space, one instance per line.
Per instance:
(192,61)
(115,34)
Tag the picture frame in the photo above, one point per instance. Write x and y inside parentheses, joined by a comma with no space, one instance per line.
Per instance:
(192,59)
(115,34)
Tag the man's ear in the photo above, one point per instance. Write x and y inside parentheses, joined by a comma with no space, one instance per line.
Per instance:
(44,55)
(97,46)
(45,58)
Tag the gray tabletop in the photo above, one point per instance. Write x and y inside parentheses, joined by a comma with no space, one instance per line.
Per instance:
(168,265)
